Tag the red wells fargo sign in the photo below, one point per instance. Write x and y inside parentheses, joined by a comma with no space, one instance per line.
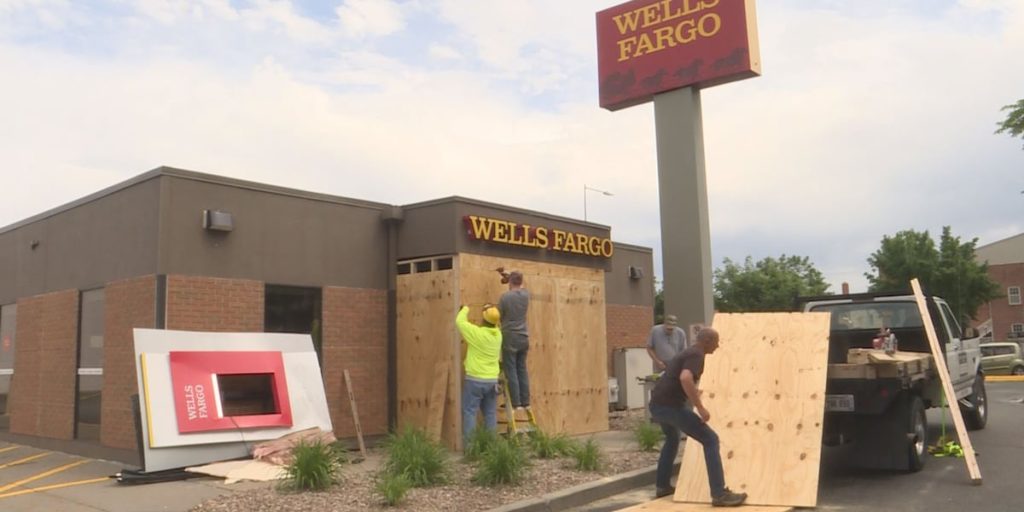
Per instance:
(645,47)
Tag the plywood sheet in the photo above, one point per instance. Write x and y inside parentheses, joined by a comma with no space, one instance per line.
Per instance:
(765,390)
(426,307)
(567,361)
(667,505)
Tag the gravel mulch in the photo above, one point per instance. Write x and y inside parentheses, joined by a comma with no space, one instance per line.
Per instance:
(355,492)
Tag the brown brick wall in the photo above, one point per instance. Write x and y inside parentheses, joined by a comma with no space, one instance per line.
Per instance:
(129,303)
(42,399)
(627,327)
(355,338)
(1004,315)
(214,304)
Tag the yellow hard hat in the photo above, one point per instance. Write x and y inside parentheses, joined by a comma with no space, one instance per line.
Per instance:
(491,314)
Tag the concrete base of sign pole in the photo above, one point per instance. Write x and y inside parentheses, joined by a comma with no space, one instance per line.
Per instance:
(682,188)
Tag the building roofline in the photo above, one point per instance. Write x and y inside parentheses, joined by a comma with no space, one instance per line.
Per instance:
(1007,239)
(512,209)
(631,247)
(194,176)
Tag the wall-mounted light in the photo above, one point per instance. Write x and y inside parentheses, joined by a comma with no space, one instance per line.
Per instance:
(636,272)
(33,244)
(216,220)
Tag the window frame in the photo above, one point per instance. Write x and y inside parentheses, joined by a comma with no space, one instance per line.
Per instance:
(1010,294)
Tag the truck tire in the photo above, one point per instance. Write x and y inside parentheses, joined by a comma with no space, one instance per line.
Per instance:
(917,435)
(976,417)
(1018,370)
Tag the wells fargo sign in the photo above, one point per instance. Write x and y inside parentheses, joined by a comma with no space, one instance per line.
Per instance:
(645,47)
(539,237)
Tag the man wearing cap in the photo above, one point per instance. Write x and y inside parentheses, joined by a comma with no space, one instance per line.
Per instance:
(666,340)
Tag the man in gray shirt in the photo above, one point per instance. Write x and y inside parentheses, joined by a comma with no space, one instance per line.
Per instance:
(515,339)
(666,340)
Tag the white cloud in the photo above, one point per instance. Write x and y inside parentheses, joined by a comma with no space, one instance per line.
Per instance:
(444,52)
(360,18)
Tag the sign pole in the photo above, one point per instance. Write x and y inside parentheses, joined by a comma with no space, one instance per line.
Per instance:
(682,189)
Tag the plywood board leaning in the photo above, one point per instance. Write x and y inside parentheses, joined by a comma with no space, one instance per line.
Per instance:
(425,312)
(437,399)
(947,386)
(667,505)
(765,390)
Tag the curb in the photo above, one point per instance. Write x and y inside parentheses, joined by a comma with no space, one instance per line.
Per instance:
(586,493)
(1004,378)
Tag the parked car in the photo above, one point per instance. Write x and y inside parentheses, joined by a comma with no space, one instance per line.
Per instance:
(1002,359)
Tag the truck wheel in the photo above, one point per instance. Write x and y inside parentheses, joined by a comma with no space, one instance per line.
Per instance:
(977,416)
(918,435)
(1018,370)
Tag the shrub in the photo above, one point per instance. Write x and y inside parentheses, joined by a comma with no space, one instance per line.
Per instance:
(587,456)
(412,453)
(314,467)
(392,488)
(504,463)
(648,436)
(481,440)
(340,452)
(549,447)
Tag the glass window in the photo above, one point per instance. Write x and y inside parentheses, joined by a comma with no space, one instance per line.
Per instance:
(987,351)
(1017,328)
(851,316)
(1013,295)
(90,364)
(294,309)
(8,327)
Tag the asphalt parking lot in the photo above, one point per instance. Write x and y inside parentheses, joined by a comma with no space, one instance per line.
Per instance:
(942,486)
(33,480)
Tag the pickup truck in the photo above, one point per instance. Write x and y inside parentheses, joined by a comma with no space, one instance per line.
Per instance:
(883,412)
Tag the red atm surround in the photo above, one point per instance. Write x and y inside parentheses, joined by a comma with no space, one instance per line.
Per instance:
(196,396)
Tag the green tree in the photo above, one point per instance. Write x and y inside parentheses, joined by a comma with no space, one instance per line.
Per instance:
(949,270)
(659,301)
(1014,122)
(769,285)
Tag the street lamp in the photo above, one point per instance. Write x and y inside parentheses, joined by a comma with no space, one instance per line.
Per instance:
(591,189)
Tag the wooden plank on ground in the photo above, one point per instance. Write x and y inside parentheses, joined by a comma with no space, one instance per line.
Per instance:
(947,386)
(765,390)
(438,393)
(667,505)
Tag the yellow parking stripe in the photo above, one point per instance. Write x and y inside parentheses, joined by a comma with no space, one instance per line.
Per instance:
(42,475)
(9,448)
(51,487)
(26,459)
(1004,378)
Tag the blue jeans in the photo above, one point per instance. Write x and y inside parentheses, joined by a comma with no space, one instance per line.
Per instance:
(476,396)
(676,419)
(513,363)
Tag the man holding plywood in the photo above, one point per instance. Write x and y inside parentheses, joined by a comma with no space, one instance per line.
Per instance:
(668,407)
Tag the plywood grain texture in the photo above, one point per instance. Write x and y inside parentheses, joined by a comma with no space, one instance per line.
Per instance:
(765,390)
(667,505)
(426,307)
(567,360)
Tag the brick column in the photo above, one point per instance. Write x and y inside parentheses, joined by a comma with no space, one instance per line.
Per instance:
(129,303)
(42,399)
(355,338)
(627,327)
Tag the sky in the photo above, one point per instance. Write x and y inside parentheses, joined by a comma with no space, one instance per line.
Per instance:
(870,117)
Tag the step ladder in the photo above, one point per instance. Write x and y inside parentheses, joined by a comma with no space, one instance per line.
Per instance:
(516,422)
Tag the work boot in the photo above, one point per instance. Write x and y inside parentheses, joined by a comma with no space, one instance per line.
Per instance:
(729,499)
(661,492)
